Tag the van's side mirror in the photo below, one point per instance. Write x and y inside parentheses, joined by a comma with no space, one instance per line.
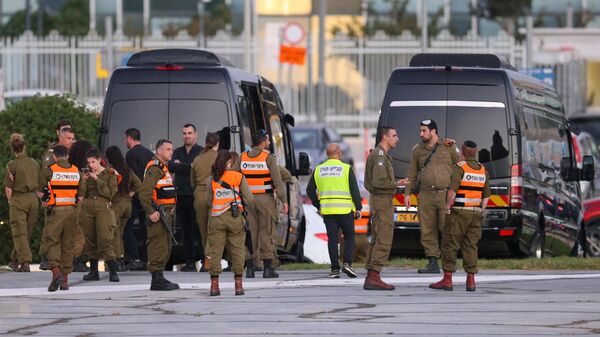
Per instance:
(303,164)
(289,120)
(567,171)
(587,170)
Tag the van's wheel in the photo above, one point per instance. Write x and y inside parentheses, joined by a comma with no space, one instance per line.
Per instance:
(536,249)
(592,231)
(299,251)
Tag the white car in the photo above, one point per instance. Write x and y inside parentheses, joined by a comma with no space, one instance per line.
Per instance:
(315,241)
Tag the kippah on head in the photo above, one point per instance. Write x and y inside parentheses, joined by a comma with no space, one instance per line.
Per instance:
(470,144)
(259,137)
(430,124)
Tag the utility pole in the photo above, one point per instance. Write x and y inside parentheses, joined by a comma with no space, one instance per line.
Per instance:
(92,15)
(146,17)
(321,79)
(424,25)
(27,14)
(248,34)
(119,17)
(40,16)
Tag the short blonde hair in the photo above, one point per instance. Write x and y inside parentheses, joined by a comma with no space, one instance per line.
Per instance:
(17,142)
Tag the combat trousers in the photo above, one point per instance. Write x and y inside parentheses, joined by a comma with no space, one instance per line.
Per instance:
(432,213)
(98,223)
(462,231)
(23,212)
(260,218)
(226,231)
(382,231)
(333,224)
(59,232)
(159,244)
(122,209)
(201,207)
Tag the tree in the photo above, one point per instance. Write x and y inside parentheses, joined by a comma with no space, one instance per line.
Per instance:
(16,25)
(505,12)
(35,118)
(74,18)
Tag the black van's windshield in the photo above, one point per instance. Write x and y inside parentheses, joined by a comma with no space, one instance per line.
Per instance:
(485,123)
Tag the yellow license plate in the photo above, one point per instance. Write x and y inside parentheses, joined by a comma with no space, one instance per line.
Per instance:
(407,217)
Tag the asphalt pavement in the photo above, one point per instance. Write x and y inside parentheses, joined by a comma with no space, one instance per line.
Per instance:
(304,303)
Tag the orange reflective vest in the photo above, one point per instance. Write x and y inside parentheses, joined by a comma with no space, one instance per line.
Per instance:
(164,191)
(257,172)
(470,191)
(223,197)
(361,226)
(63,185)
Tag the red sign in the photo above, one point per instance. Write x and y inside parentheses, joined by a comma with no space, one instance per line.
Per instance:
(292,55)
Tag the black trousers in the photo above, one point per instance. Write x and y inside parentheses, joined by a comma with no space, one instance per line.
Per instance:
(333,224)
(130,242)
(186,220)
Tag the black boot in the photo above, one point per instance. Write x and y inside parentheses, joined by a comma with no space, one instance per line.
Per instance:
(268,271)
(432,267)
(158,282)
(93,275)
(170,283)
(249,268)
(112,271)
(44,263)
(120,265)
(79,265)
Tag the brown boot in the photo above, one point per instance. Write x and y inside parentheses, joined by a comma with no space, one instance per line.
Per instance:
(13,265)
(470,282)
(56,279)
(239,289)
(64,285)
(445,283)
(214,286)
(24,268)
(374,282)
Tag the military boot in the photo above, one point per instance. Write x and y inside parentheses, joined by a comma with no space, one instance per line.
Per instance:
(120,265)
(470,282)
(374,282)
(13,265)
(432,267)
(44,263)
(214,285)
(239,289)
(24,268)
(56,279)
(249,268)
(79,265)
(160,283)
(112,271)
(172,284)
(444,284)
(93,275)
(64,285)
(268,271)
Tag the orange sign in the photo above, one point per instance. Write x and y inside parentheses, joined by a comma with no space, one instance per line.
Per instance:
(292,55)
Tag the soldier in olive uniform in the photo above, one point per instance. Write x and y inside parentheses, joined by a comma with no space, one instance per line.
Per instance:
(158,191)
(380,181)
(260,168)
(199,179)
(129,184)
(66,138)
(21,181)
(430,168)
(465,210)
(62,181)
(96,217)
(227,194)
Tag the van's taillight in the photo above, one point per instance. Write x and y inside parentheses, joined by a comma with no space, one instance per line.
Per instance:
(169,67)
(516,186)
(577,151)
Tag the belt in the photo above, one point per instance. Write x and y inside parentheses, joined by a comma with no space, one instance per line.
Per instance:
(435,189)
(468,208)
(94,197)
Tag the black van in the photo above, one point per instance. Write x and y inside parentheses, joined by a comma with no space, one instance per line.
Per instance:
(159,91)
(524,142)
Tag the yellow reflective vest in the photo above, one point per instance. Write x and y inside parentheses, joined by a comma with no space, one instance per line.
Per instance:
(333,187)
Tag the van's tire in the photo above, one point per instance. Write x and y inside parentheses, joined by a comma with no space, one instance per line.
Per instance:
(299,249)
(536,248)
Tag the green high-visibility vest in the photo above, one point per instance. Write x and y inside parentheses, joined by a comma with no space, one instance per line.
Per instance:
(333,187)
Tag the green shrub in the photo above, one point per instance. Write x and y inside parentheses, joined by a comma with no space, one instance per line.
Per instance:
(36,119)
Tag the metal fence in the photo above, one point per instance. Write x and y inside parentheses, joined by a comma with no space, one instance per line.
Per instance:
(356,69)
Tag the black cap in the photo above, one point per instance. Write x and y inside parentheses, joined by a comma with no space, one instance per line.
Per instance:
(470,144)
(260,136)
(430,124)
